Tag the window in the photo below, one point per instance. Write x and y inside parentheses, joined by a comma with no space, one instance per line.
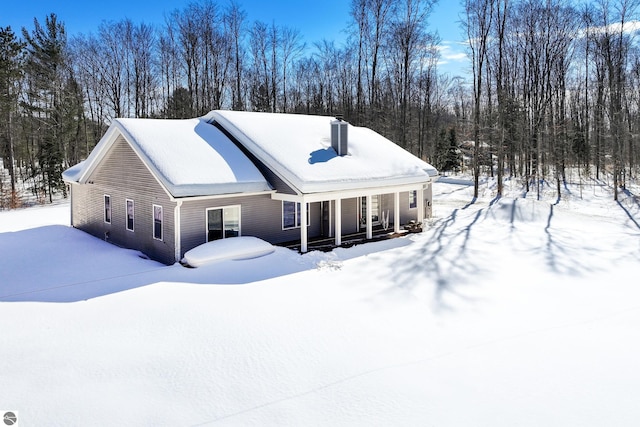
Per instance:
(223,222)
(291,215)
(107,209)
(130,214)
(413,199)
(375,210)
(157,222)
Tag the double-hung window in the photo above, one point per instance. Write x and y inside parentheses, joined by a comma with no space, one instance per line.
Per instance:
(291,215)
(157,222)
(130,215)
(413,199)
(107,209)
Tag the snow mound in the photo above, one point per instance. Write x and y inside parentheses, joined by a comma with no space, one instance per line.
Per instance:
(236,248)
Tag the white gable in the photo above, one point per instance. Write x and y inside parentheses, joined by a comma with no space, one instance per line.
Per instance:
(189,157)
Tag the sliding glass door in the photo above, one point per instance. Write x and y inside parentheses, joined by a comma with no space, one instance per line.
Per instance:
(223,222)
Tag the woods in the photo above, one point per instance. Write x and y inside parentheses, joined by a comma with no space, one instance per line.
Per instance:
(552,85)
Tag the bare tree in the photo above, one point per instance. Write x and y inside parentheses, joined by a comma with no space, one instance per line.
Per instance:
(260,86)
(171,75)
(500,28)
(234,19)
(141,47)
(111,49)
(613,41)
(479,14)
(379,11)
(407,38)
(292,47)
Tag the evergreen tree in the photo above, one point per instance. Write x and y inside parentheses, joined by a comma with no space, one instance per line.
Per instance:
(11,56)
(453,157)
(447,157)
(179,105)
(47,71)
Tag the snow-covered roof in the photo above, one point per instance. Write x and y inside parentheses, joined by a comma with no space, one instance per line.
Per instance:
(193,157)
(298,148)
(73,173)
(189,157)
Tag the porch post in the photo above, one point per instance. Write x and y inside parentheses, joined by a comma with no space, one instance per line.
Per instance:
(338,222)
(303,227)
(396,212)
(420,196)
(369,217)
(177,230)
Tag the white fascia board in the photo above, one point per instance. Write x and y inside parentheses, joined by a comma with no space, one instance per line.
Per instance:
(173,192)
(106,142)
(98,153)
(206,190)
(70,176)
(348,194)
(220,196)
(329,186)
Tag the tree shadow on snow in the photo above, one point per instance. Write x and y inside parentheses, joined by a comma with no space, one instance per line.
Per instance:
(634,203)
(440,257)
(561,250)
(451,255)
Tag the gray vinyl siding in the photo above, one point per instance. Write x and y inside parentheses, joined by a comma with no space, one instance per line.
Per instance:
(349,215)
(406,214)
(122,175)
(428,197)
(80,206)
(278,184)
(260,216)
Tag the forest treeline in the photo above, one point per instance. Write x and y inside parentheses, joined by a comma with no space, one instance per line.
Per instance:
(551,84)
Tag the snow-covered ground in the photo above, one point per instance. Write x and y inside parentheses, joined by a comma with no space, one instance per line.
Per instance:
(503,312)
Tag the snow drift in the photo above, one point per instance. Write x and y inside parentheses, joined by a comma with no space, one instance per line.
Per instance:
(236,248)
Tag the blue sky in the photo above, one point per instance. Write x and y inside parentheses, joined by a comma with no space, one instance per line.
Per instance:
(316,20)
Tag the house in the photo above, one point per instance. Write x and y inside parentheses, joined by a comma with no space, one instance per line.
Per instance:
(166,186)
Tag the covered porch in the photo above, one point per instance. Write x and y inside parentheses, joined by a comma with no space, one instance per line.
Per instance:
(373,223)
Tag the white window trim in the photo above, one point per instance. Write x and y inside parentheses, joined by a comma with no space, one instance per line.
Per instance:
(206,220)
(153,222)
(295,215)
(104,210)
(126,214)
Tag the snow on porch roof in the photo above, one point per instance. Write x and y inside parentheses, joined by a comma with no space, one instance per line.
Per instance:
(298,147)
(190,157)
